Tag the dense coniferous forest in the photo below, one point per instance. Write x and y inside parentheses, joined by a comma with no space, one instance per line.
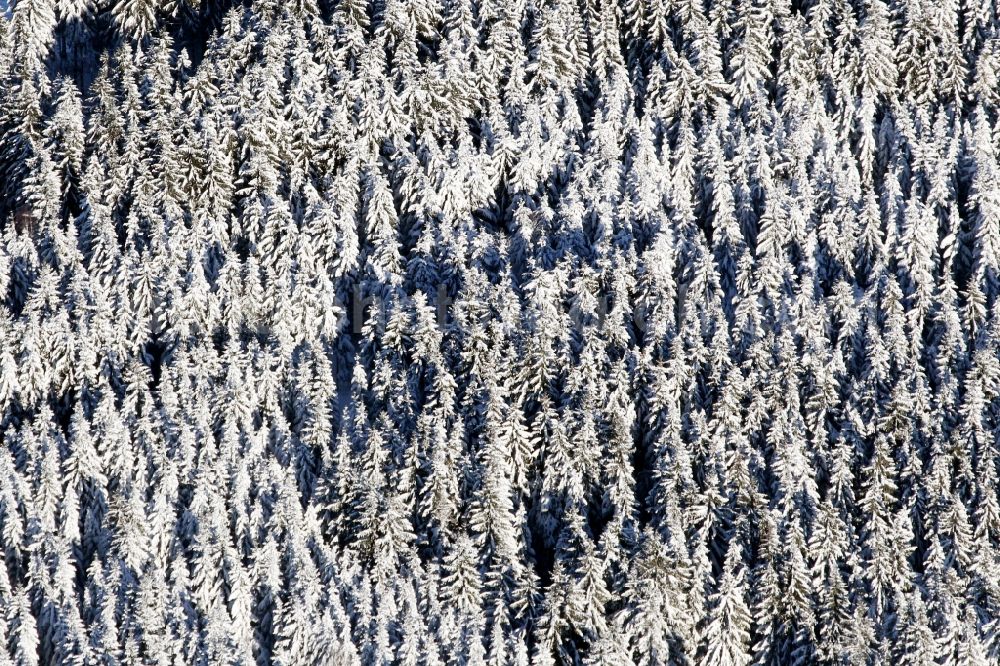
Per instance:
(427,332)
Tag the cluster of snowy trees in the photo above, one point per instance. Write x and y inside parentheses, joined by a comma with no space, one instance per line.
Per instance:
(500,331)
